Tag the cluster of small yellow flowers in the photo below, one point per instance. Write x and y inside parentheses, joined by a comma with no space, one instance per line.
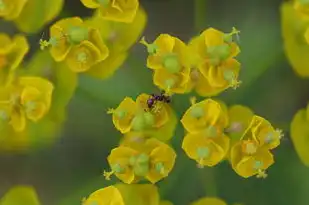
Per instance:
(143,152)
(30,15)
(295,31)
(215,133)
(300,134)
(207,64)
(22,98)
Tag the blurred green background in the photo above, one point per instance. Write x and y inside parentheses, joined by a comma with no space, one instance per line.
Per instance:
(71,169)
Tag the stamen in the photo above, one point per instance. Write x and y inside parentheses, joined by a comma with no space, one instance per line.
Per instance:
(151,48)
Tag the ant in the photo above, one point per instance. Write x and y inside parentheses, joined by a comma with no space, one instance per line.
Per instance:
(154,98)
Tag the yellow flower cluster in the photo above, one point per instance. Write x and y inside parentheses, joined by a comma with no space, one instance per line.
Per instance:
(207,64)
(30,15)
(143,152)
(300,134)
(215,133)
(137,194)
(295,30)
(22,98)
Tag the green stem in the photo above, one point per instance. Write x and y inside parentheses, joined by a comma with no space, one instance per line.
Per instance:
(210,181)
(199,14)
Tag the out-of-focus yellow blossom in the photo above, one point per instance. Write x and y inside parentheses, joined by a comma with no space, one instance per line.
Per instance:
(208,201)
(105,196)
(300,134)
(12,52)
(11,9)
(159,122)
(214,68)
(251,155)
(114,10)
(119,38)
(295,45)
(206,115)
(36,14)
(130,165)
(206,142)
(169,58)
(28,98)
(20,195)
(302,7)
(79,45)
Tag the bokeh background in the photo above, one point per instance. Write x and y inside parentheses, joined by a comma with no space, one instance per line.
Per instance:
(71,168)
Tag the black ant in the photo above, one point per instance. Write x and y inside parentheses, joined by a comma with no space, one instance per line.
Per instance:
(154,98)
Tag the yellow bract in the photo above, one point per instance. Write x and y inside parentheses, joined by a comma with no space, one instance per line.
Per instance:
(152,161)
(79,45)
(20,195)
(115,10)
(11,9)
(105,196)
(302,7)
(300,134)
(12,52)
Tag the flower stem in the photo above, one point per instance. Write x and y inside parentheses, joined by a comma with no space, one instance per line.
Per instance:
(199,14)
(210,182)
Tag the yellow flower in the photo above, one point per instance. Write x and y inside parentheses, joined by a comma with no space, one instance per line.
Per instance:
(20,195)
(123,115)
(295,45)
(208,201)
(251,155)
(207,148)
(114,10)
(132,164)
(105,196)
(36,14)
(300,134)
(11,9)
(205,115)
(28,98)
(12,52)
(80,46)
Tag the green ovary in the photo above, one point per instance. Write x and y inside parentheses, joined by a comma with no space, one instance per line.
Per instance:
(197,112)
(203,152)
(171,63)
(78,34)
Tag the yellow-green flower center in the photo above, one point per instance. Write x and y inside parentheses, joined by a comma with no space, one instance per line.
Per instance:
(77,34)
(197,112)
(221,51)
(211,131)
(149,118)
(103,2)
(30,106)
(120,114)
(269,137)
(229,76)
(53,41)
(117,168)
(159,167)
(169,83)
(171,63)
(249,147)
(82,57)
(138,123)
(140,164)
(203,152)
(258,165)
